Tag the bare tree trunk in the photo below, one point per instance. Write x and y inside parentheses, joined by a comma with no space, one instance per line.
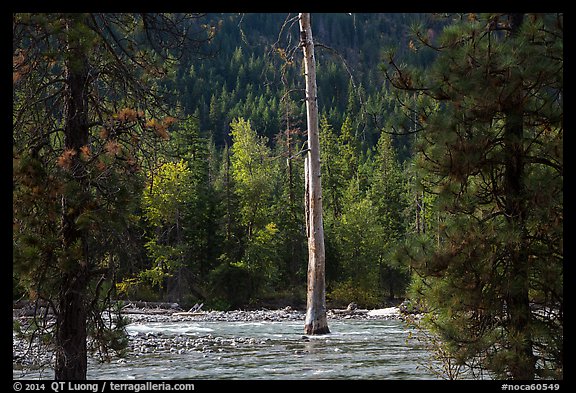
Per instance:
(316,322)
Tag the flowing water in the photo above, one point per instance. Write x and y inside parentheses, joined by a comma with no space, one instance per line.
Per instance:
(355,349)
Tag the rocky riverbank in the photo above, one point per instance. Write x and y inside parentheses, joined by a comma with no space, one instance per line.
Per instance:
(285,314)
(38,355)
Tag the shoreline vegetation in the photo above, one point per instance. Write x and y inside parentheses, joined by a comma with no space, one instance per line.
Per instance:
(32,355)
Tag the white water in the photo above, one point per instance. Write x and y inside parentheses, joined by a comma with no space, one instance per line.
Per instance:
(355,349)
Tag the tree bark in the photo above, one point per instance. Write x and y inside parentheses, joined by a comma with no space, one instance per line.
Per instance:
(518,303)
(71,332)
(316,322)
(523,364)
(71,354)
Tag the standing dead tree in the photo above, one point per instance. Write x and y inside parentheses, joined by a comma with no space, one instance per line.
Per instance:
(316,322)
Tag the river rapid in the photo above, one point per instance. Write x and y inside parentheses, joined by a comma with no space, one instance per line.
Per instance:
(262,348)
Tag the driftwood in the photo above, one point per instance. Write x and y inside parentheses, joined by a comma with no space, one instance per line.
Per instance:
(187,314)
(195,310)
(139,304)
(346,311)
(148,311)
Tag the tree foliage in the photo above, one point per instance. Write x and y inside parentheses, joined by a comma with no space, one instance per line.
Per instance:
(86,109)
(494,276)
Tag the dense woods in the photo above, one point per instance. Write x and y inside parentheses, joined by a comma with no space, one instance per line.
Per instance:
(161,158)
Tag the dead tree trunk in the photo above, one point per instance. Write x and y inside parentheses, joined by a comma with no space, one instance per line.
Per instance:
(316,322)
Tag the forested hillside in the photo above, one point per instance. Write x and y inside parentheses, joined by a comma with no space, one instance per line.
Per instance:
(254,72)
(247,114)
(441,156)
(247,100)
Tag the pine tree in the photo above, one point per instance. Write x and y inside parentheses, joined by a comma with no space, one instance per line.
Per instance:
(332,168)
(349,147)
(494,278)
(388,192)
(85,102)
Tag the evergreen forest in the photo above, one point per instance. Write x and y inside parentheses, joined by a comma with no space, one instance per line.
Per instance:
(160,158)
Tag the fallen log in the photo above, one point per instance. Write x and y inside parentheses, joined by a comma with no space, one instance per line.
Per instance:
(187,314)
(347,311)
(147,311)
(142,304)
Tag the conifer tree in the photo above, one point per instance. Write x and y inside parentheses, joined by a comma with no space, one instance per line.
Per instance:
(332,167)
(493,156)
(388,192)
(85,108)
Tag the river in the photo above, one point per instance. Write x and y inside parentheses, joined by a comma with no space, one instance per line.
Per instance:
(355,349)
